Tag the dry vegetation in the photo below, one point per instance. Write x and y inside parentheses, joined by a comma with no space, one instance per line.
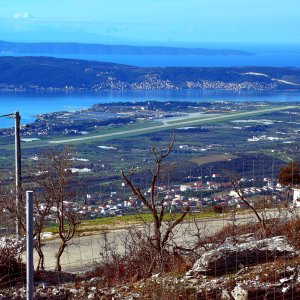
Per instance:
(126,275)
(154,265)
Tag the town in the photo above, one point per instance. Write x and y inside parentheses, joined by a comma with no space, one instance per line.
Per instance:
(210,193)
(201,154)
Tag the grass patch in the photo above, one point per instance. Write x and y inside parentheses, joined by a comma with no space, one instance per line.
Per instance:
(213,158)
(118,222)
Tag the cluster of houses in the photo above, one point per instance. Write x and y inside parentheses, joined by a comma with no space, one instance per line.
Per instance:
(197,195)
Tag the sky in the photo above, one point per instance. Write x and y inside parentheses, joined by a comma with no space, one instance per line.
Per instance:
(160,22)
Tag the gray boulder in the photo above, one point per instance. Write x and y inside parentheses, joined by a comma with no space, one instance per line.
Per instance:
(230,257)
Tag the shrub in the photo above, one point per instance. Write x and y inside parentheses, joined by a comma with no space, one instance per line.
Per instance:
(217,209)
(138,261)
(12,270)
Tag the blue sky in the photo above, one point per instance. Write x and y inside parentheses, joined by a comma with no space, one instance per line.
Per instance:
(151,21)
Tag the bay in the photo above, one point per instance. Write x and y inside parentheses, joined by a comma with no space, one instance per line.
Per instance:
(264,59)
(269,55)
(31,104)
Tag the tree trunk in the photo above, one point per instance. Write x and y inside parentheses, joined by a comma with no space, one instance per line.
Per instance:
(288,196)
(41,262)
(59,254)
(38,248)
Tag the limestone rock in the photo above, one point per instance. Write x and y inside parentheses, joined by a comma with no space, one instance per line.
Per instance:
(239,293)
(229,257)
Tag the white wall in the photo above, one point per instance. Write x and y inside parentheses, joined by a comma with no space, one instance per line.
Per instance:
(296,197)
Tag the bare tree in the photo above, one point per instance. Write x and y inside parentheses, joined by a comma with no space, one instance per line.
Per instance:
(239,191)
(42,204)
(42,207)
(8,204)
(162,230)
(55,180)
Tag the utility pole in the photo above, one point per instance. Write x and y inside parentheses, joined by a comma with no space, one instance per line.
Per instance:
(18,169)
(29,245)
(17,117)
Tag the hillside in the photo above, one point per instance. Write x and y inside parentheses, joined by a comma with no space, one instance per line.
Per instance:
(53,74)
(79,48)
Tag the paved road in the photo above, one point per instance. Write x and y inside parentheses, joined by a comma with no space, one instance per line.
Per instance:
(181,122)
(84,251)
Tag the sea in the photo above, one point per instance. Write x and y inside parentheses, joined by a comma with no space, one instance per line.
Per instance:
(31,104)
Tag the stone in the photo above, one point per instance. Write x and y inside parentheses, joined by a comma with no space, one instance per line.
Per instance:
(239,293)
(285,289)
(283,280)
(91,296)
(228,257)
(155,275)
(113,291)
(43,284)
(225,295)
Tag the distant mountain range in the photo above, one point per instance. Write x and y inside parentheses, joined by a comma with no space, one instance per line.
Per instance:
(77,48)
(47,74)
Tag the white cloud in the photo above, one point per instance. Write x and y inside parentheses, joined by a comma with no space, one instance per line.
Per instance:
(22,15)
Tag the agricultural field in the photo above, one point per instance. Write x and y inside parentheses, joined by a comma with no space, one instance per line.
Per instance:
(240,138)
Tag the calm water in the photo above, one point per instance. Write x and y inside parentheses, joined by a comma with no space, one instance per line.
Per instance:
(31,104)
(265,58)
(273,55)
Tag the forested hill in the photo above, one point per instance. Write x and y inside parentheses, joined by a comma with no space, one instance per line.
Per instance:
(100,49)
(54,74)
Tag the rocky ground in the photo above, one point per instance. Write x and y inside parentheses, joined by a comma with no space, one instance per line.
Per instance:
(239,269)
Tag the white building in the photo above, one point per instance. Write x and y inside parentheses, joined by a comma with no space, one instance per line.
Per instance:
(296,197)
(184,188)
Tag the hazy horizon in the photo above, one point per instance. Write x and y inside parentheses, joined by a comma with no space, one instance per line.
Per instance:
(164,22)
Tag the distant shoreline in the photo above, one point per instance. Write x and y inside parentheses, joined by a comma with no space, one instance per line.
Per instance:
(32,104)
(104,49)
